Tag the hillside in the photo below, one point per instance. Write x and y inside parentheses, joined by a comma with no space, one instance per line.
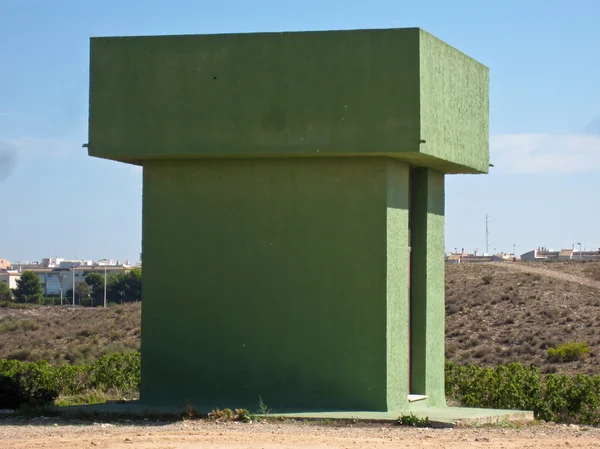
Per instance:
(499,313)
(496,314)
(68,335)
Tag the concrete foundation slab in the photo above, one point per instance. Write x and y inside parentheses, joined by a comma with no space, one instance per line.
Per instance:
(438,416)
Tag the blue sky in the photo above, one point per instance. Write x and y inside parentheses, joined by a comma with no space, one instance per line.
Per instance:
(544,106)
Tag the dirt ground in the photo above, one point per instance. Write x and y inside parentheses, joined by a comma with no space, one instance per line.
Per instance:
(497,313)
(50,434)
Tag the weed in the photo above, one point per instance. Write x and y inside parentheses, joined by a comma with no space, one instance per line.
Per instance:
(413,421)
(239,414)
(243,415)
(262,407)
(89,397)
(222,415)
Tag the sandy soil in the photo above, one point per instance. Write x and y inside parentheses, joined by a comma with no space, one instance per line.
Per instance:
(50,434)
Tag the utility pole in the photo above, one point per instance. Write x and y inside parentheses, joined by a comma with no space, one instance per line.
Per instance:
(487,235)
(105,262)
(73,285)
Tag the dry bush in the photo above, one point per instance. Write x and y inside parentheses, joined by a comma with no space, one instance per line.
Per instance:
(65,335)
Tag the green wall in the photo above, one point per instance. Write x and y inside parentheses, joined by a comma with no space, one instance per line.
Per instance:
(284,279)
(394,92)
(454,107)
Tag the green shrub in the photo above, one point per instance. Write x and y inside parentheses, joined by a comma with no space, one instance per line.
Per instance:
(26,384)
(10,396)
(568,352)
(39,383)
(117,371)
(551,397)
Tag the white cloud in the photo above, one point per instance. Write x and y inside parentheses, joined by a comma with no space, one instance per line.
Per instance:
(545,153)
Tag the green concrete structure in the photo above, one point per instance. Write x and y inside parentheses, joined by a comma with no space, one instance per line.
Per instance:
(293,210)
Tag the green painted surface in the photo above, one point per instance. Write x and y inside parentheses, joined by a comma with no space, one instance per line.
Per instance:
(283,279)
(314,94)
(397,280)
(454,106)
(275,215)
(427,286)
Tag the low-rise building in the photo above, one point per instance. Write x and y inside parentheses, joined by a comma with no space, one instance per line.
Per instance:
(62,279)
(58,275)
(457,258)
(4,264)
(564,255)
(52,280)
(10,278)
(586,255)
(540,254)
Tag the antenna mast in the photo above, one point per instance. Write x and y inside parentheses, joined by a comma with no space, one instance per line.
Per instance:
(487,235)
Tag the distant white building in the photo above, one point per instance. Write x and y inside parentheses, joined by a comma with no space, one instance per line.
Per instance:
(61,279)
(545,254)
(10,278)
(58,275)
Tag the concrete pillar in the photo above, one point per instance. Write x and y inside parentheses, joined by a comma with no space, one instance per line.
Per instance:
(283,279)
(427,310)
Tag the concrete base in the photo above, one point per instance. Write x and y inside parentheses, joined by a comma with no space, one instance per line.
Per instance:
(438,416)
